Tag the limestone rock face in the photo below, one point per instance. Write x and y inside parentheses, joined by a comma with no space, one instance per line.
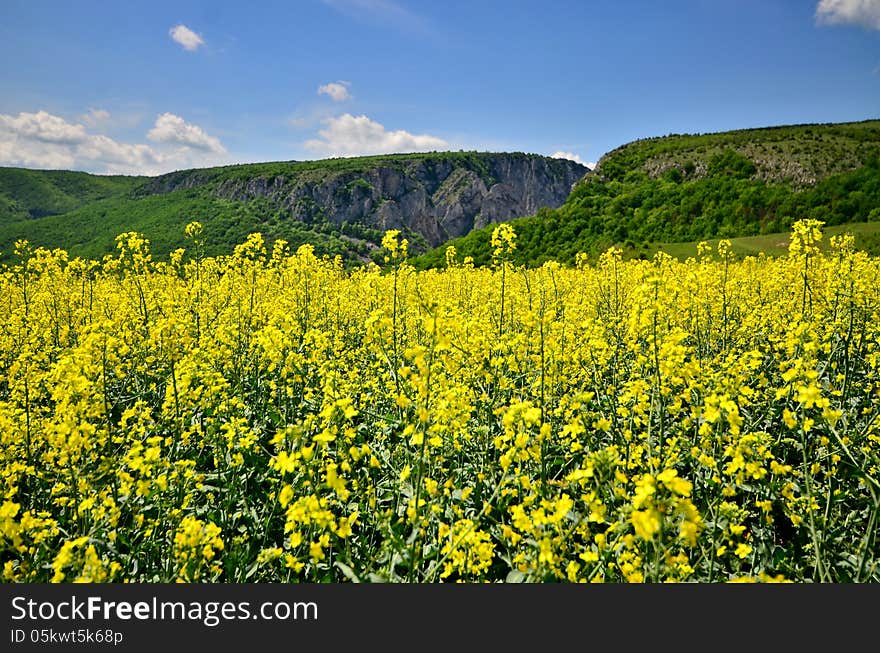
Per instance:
(440,197)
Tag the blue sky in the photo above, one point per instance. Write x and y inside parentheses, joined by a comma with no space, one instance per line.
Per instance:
(143,87)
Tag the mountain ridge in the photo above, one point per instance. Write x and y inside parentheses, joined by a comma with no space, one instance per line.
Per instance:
(343,206)
(466,189)
(688,187)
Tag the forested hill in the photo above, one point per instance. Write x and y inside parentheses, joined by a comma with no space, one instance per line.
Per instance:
(27,194)
(689,187)
(341,206)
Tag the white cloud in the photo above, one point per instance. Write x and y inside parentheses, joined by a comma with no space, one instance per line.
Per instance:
(28,153)
(43,140)
(186,37)
(43,127)
(95,117)
(571,156)
(338,91)
(113,153)
(349,135)
(174,129)
(855,12)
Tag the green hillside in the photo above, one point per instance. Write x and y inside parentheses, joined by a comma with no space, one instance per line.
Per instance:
(27,194)
(83,213)
(90,231)
(338,205)
(686,188)
(866,235)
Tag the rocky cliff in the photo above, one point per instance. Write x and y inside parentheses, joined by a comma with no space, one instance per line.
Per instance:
(439,196)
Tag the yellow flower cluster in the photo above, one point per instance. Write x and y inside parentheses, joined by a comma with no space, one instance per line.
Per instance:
(196,544)
(271,416)
(805,237)
(394,245)
(503,241)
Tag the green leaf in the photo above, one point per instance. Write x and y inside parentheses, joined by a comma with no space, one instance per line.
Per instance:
(347,571)
(515,576)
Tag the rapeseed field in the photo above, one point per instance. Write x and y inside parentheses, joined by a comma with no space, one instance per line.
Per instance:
(270,416)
